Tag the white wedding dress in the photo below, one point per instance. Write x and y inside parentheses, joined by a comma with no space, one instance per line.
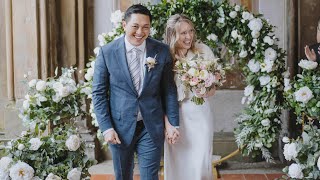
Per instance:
(190,158)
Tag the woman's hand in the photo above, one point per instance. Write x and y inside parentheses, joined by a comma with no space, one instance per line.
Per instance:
(171,133)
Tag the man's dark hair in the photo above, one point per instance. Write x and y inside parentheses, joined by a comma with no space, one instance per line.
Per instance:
(137,9)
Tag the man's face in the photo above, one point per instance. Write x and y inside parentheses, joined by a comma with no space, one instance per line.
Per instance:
(137,28)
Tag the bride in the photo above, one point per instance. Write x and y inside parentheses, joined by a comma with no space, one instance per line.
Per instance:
(190,157)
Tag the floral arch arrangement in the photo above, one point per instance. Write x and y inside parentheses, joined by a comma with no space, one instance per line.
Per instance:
(250,39)
(303,96)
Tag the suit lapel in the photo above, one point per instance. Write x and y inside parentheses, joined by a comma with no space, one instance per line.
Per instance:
(123,65)
(151,52)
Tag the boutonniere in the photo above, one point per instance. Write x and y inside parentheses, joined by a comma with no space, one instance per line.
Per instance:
(151,62)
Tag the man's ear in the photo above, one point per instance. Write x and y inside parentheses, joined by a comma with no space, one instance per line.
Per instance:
(124,24)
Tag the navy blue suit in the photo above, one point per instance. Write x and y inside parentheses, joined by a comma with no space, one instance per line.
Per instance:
(116,103)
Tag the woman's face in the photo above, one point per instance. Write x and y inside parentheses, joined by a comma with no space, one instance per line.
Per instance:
(185,34)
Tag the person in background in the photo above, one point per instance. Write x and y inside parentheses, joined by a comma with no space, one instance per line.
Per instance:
(313,52)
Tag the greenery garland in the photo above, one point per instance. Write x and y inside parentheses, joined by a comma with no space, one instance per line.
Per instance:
(250,39)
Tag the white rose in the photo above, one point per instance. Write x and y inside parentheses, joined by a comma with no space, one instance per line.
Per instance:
(290,151)
(5,163)
(270,54)
(248,90)
(32,83)
(52,176)
(237,8)
(285,139)
(318,163)
(306,64)
(234,34)
(41,85)
(96,51)
(267,66)
(287,85)
(255,24)
(246,15)
(265,122)
(221,20)
(243,100)
(116,18)
(258,144)
(264,80)
(303,95)
(56,98)
(35,144)
(268,40)
(233,14)
(24,133)
(243,54)
(111,33)
(101,39)
(73,143)
(153,31)
(88,76)
(212,37)
(25,104)
(63,91)
(255,34)
(21,147)
(254,43)
(151,60)
(21,170)
(193,72)
(295,171)
(254,66)
(305,138)
(92,64)
(203,74)
(74,174)
(4,175)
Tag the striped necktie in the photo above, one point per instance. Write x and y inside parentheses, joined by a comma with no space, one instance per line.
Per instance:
(134,67)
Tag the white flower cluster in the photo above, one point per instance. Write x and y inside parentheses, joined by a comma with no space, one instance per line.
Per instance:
(306,64)
(116,18)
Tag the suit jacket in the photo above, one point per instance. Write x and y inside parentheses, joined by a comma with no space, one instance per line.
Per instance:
(315,48)
(116,100)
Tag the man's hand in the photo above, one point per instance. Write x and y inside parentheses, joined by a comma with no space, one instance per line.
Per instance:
(112,137)
(171,133)
(311,55)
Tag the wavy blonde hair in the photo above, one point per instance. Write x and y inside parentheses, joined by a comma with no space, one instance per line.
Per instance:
(172,36)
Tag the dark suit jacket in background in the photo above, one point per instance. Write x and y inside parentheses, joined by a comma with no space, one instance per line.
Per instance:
(315,48)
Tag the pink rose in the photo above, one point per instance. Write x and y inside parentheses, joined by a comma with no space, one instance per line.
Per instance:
(194,81)
(184,77)
(210,80)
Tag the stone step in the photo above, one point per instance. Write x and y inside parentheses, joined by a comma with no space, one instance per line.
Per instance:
(104,171)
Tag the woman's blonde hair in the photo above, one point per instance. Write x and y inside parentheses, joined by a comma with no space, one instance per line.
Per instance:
(171,36)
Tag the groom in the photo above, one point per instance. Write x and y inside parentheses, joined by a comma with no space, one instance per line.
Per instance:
(133,88)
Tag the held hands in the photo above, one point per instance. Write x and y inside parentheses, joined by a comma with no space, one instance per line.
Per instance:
(171,133)
(311,55)
(112,137)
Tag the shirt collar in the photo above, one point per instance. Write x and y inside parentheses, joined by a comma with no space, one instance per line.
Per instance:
(129,46)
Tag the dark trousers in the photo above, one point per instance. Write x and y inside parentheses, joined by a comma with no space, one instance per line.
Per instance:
(149,156)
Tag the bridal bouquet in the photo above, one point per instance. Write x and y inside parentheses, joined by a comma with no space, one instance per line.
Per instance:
(199,75)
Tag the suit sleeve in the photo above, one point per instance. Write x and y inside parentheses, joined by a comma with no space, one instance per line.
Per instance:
(169,92)
(100,87)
